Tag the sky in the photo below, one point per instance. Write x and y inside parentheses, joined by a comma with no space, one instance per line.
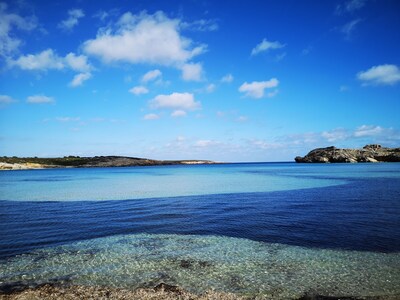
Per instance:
(235,81)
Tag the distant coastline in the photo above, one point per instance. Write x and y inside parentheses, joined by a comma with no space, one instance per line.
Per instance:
(25,163)
(369,153)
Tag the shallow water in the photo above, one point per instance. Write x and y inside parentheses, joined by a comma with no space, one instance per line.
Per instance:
(199,263)
(276,230)
(151,182)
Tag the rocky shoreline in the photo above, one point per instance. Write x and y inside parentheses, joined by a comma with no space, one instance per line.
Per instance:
(370,153)
(24,163)
(159,292)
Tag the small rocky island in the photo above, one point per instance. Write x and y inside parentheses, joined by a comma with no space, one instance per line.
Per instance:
(20,163)
(369,153)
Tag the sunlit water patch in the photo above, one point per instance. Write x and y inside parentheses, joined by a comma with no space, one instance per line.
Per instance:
(200,263)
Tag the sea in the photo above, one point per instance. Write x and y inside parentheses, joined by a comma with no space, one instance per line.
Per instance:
(266,230)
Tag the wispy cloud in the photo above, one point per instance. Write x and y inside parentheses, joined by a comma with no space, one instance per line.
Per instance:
(242,119)
(40,99)
(139,90)
(68,119)
(338,134)
(79,79)
(151,75)
(228,78)
(5,99)
(350,6)
(201,25)
(206,143)
(348,28)
(380,75)
(266,45)
(150,117)
(210,88)
(178,113)
(256,89)
(368,130)
(73,19)
(9,23)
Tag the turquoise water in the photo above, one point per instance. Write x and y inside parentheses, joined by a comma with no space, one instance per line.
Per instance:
(165,181)
(272,230)
(199,263)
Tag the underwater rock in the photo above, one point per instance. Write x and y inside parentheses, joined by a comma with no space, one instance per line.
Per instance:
(167,288)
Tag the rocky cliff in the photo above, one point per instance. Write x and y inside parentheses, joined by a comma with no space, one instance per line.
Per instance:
(369,153)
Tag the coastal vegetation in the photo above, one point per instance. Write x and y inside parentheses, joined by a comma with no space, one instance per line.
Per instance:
(15,163)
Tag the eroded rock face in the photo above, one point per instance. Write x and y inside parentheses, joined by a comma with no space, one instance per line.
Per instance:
(369,153)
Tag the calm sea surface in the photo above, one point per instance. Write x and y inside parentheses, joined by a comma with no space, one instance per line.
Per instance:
(276,230)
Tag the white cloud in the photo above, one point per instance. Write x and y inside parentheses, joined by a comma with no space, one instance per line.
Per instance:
(227,78)
(139,90)
(343,88)
(178,113)
(180,101)
(380,75)
(48,59)
(77,63)
(256,89)
(9,44)
(151,117)
(266,45)
(5,99)
(192,72)
(44,60)
(143,38)
(80,78)
(151,75)
(40,99)
(73,19)
(349,27)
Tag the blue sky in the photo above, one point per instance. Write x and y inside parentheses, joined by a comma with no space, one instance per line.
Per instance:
(248,81)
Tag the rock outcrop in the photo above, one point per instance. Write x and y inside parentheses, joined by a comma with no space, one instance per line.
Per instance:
(369,153)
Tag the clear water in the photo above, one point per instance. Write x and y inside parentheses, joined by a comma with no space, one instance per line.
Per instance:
(270,230)
(151,182)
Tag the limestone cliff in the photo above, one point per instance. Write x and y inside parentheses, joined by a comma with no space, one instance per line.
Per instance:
(369,153)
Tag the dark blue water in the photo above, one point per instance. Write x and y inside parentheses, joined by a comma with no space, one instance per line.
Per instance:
(362,214)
